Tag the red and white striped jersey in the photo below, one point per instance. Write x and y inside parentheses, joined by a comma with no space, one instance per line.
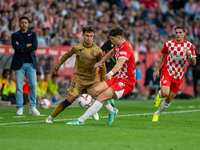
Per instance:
(128,69)
(176,58)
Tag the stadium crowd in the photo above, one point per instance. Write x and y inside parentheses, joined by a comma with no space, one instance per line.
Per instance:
(59,22)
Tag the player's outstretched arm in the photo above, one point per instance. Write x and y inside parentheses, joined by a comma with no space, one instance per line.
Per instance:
(67,55)
(104,59)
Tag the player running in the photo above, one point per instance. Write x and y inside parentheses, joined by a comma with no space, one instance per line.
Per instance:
(85,75)
(117,86)
(174,55)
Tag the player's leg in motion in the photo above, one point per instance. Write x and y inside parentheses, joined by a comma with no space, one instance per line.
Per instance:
(102,100)
(112,102)
(60,107)
(158,99)
(164,105)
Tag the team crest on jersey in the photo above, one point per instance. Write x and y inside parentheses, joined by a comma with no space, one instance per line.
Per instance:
(92,53)
(121,84)
(165,81)
(123,53)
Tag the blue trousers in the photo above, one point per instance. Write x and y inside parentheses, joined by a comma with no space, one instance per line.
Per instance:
(28,70)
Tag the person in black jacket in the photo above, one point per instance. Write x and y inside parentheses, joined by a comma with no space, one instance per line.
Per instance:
(196,72)
(106,47)
(25,44)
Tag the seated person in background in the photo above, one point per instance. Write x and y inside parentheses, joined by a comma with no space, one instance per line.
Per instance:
(188,75)
(4,85)
(149,81)
(53,89)
(39,90)
(12,87)
(26,91)
(43,84)
(137,74)
(12,82)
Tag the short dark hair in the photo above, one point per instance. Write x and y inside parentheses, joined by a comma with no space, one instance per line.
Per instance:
(88,29)
(54,75)
(47,72)
(180,27)
(23,17)
(115,31)
(38,73)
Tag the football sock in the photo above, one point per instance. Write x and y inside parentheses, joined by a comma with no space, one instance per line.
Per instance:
(109,107)
(112,102)
(60,107)
(159,92)
(162,107)
(96,106)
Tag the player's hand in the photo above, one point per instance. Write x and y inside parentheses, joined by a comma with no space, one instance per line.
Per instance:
(108,76)
(189,53)
(17,42)
(156,74)
(98,64)
(55,71)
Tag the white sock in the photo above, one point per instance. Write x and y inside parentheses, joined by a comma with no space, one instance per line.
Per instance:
(162,107)
(109,107)
(51,118)
(96,106)
(159,93)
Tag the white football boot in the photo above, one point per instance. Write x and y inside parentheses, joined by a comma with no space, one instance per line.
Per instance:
(95,116)
(49,120)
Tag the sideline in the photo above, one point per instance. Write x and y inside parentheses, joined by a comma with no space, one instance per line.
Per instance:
(172,112)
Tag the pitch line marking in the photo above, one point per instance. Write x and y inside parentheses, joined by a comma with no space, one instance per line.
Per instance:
(19,116)
(172,112)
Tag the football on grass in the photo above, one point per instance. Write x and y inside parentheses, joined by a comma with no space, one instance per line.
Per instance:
(85,100)
(45,103)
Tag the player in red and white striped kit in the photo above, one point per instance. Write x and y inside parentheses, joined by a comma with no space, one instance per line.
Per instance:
(175,53)
(117,86)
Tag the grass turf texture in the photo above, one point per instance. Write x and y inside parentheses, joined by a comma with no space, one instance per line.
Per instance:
(132,128)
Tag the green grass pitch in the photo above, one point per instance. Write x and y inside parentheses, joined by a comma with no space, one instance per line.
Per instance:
(178,128)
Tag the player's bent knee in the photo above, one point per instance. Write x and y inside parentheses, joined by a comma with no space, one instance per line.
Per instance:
(164,93)
(95,92)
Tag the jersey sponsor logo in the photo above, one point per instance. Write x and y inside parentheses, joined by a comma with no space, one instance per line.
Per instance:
(123,53)
(177,56)
(121,84)
(92,53)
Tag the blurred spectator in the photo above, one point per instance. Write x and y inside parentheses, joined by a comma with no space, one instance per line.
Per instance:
(138,71)
(53,89)
(41,66)
(4,40)
(57,40)
(196,71)
(189,76)
(39,90)
(149,80)
(190,7)
(4,25)
(4,85)
(12,87)
(146,22)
